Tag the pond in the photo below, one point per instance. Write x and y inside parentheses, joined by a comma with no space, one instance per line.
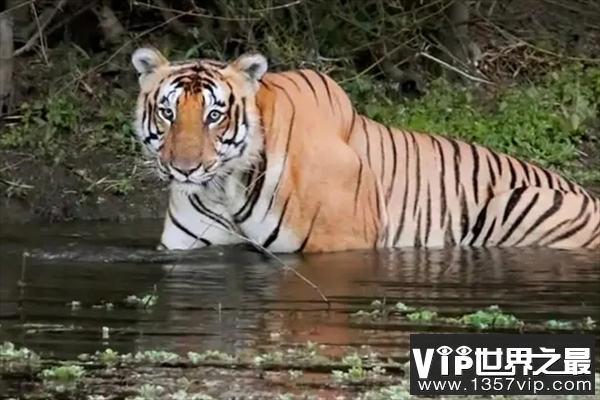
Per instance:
(79,288)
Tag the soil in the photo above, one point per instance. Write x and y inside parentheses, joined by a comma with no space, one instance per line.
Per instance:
(62,192)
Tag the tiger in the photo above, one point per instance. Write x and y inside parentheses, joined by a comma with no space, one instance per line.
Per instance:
(283,160)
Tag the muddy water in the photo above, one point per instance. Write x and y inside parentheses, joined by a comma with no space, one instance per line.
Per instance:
(233,299)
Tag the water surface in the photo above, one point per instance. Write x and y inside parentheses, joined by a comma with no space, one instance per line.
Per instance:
(231,299)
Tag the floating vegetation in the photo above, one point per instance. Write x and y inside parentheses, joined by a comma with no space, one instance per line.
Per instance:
(357,373)
(489,318)
(146,301)
(63,378)
(586,323)
(292,374)
(13,359)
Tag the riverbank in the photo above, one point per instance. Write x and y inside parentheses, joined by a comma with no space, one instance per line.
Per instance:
(69,153)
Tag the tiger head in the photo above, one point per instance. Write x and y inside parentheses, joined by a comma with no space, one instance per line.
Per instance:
(198,119)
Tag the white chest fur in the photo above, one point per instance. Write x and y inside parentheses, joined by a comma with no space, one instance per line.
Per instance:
(264,224)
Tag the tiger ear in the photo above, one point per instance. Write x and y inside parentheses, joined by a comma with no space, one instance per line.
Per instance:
(147,59)
(254,65)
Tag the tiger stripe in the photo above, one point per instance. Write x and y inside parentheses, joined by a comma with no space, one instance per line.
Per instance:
(286,161)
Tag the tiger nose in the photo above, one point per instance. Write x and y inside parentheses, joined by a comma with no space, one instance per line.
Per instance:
(185,170)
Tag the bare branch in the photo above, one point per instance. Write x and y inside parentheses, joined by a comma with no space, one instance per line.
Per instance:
(177,26)
(42,25)
(12,8)
(454,69)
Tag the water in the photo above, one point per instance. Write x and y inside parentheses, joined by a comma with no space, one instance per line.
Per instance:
(231,299)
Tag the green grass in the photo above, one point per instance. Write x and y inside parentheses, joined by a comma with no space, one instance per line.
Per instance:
(545,121)
(65,124)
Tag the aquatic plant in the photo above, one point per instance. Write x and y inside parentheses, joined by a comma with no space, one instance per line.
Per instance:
(422,316)
(145,301)
(62,378)
(18,359)
(380,309)
(210,355)
(357,373)
(490,318)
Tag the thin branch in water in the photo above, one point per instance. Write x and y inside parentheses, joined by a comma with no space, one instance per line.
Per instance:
(269,253)
(283,264)
(261,248)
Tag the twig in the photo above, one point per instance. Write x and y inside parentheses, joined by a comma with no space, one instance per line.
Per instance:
(39,32)
(41,26)
(8,167)
(119,50)
(522,41)
(269,253)
(261,248)
(177,26)
(279,7)
(376,63)
(264,249)
(445,64)
(180,13)
(283,264)
(25,3)
(68,18)
(15,184)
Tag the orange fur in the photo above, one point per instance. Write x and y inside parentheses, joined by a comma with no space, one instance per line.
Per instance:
(343,181)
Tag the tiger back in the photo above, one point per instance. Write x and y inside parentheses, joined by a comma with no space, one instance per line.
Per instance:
(285,162)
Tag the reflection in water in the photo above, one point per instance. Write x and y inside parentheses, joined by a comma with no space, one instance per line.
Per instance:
(231,299)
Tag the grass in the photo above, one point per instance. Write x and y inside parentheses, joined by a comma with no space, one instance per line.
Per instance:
(61,124)
(84,129)
(544,121)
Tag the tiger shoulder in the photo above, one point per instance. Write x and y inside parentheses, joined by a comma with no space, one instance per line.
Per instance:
(284,160)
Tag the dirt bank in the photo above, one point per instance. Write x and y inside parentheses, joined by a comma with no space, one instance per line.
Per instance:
(67,151)
(34,190)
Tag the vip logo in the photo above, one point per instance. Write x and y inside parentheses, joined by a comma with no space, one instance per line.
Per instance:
(577,361)
(462,361)
(502,364)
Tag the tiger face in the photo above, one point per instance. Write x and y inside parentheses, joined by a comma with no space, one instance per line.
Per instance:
(198,119)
